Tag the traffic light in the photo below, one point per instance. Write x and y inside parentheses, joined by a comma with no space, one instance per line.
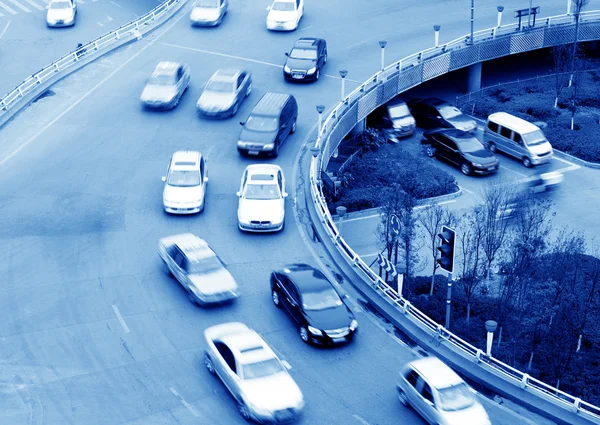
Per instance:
(446,248)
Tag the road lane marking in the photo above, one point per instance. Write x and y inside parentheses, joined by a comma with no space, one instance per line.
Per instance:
(20,6)
(187,405)
(116,4)
(567,169)
(466,190)
(5,28)
(8,9)
(121,320)
(361,420)
(37,6)
(513,171)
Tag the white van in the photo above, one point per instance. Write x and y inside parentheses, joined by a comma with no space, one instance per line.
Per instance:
(518,138)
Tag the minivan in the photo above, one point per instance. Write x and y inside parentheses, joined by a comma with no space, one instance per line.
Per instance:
(393,119)
(518,138)
(270,122)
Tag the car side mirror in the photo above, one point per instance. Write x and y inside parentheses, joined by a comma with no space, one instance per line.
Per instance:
(242,123)
(268,7)
(284,194)
(286,364)
(238,193)
(205,179)
(164,178)
(287,54)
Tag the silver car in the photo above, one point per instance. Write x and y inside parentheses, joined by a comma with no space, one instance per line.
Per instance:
(185,183)
(199,270)
(61,13)
(208,12)
(253,374)
(438,394)
(224,93)
(166,85)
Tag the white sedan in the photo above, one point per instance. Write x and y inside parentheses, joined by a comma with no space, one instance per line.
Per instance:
(185,183)
(61,13)
(285,15)
(252,372)
(262,196)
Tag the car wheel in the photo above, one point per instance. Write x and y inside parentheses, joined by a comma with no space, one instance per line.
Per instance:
(167,270)
(304,334)
(492,147)
(249,90)
(275,298)
(465,169)
(402,397)
(209,364)
(430,151)
(276,150)
(234,109)
(244,411)
(526,162)
(293,130)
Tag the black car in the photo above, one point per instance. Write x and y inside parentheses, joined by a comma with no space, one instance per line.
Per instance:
(314,304)
(437,113)
(305,60)
(461,149)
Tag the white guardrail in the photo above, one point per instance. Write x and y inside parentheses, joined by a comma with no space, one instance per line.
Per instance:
(92,48)
(352,106)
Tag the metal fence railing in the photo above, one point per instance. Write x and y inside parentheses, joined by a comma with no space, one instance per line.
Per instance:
(403,75)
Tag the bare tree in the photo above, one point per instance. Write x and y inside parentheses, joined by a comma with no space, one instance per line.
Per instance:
(577,6)
(431,220)
(408,241)
(392,199)
(561,55)
(573,99)
(470,240)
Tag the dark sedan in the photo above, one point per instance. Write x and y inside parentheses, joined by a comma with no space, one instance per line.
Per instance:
(314,304)
(461,149)
(305,60)
(437,113)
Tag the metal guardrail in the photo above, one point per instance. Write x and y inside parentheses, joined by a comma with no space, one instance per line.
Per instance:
(131,29)
(412,71)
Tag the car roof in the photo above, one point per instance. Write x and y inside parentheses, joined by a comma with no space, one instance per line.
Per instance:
(512,122)
(307,42)
(166,68)
(186,160)
(306,277)
(226,74)
(270,104)
(263,170)
(454,133)
(248,346)
(436,372)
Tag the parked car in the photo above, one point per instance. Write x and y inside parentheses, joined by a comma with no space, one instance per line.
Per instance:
(262,194)
(197,268)
(254,375)
(185,183)
(61,13)
(437,113)
(314,304)
(393,119)
(461,149)
(305,60)
(208,12)
(285,15)
(166,85)
(224,93)
(438,394)
(271,121)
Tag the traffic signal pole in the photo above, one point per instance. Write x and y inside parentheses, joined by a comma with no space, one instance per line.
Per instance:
(448,301)
(446,262)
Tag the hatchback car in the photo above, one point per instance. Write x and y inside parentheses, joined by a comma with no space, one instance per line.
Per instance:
(61,13)
(185,183)
(313,303)
(461,149)
(224,93)
(208,12)
(166,85)
(262,194)
(437,113)
(253,374)
(285,15)
(438,394)
(197,268)
(305,60)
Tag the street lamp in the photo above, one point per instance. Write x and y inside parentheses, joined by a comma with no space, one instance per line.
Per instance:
(341,211)
(472,19)
(382,44)
(500,9)
(529,13)
(320,109)
(343,74)
(490,326)
(436,28)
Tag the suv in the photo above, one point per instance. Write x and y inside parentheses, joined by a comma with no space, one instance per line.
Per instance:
(393,119)
(305,60)
(437,113)
(270,122)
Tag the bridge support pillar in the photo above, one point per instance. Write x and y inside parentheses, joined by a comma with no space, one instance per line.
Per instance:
(474,79)
(358,128)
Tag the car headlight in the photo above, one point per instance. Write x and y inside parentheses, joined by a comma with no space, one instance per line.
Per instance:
(315,331)
(287,69)
(353,325)
(312,70)
(242,144)
(269,146)
(259,411)
(476,164)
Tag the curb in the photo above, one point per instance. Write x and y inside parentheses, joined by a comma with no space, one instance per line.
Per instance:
(576,160)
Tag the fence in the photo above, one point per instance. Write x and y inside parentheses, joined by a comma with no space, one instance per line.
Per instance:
(401,76)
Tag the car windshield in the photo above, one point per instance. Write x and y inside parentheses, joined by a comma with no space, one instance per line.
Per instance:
(321,300)
(221,86)
(454,398)
(534,138)
(183,178)
(204,265)
(449,112)
(162,80)
(60,5)
(399,111)
(262,369)
(258,123)
(470,144)
(283,5)
(207,3)
(303,54)
(261,192)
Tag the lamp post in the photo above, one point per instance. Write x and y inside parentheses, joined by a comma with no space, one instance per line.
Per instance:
(436,28)
(500,10)
(341,211)
(320,109)
(472,20)
(529,14)
(490,326)
(382,44)
(343,74)
(568,6)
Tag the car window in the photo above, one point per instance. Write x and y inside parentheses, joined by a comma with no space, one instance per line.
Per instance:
(456,397)
(179,73)
(261,369)
(505,132)
(60,5)
(321,300)
(178,258)
(221,86)
(492,126)
(163,79)
(280,180)
(227,355)
(517,137)
(293,292)
(470,144)
(285,6)
(180,178)
(448,111)
(204,265)
(202,169)
(399,110)
(260,123)
(261,192)
(240,79)
(534,138)
(303,53)
(288,286)
(207,3)
(426,392)
(412,377)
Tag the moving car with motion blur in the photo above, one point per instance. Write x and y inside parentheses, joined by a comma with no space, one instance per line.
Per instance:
(224,93)
(185,183)
(208,12)
(285,15)
(313,304)
(460,149)
(262,194)
(254,375)
(393,119)
(437,113)
(166,85)
(61,13)
(438,394)
(305,60)
(197,268)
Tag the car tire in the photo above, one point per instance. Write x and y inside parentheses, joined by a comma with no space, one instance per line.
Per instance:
(466,169)
(492,147)
(234,109)
(275,298)
(430,151)
(304,334)
(244,412)
(167,270)
(402,397)
(293,130)
(276,149)
(209,364)
(526,162)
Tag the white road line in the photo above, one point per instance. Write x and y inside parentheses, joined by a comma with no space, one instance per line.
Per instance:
(37,6)
(567,169)
(8,9)
(121,320)
(109,18)
(20,6)
(466,190)
(366,217)
(361,420)
(562,160)
(116,4)
(187,405)
(5,28)
(100,23)
(91,91)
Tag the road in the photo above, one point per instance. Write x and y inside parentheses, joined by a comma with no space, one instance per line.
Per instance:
(94,332)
